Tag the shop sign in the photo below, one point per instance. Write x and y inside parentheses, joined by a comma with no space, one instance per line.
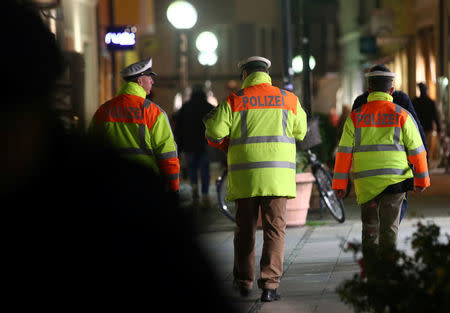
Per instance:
(120,37)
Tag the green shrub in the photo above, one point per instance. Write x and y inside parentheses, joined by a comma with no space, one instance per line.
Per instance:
(395,282)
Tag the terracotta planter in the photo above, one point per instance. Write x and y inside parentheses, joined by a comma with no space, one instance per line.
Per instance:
(297,208)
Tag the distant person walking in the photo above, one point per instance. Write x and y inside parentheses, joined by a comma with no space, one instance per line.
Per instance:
(429,117)
(258,126)
(190,137)
(138,128)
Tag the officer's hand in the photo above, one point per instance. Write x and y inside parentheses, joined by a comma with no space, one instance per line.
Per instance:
(419,189)
(340,193)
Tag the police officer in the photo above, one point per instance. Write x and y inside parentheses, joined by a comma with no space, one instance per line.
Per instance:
(258,126)
(380,138)
(138,128)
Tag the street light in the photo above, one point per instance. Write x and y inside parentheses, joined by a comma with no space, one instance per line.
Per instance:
(297,63)
(182,15)
(207,44)
(207,58)
(206,41)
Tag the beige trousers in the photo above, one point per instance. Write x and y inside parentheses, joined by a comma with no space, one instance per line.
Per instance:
(273,211)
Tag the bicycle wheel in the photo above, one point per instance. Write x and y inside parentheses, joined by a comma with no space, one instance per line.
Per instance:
(333,204)
(227,207)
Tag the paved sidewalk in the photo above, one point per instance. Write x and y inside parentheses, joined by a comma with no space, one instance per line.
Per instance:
(314,261)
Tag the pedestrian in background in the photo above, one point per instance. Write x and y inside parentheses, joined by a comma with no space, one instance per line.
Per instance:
(380,138)
(190,136)
(258,126)
(136,127)
(430,118)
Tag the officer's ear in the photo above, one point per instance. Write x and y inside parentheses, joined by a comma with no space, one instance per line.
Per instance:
(391,90)
(139,80)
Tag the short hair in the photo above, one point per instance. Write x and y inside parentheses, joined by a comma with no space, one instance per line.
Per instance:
(380,83)
(253,69)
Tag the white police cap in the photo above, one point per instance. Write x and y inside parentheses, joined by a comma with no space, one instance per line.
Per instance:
(254,59)
(379,73)
(137,69)
(380,70)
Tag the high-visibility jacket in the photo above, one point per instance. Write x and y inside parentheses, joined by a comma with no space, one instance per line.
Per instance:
(260,124)
(139,130)
(380,138)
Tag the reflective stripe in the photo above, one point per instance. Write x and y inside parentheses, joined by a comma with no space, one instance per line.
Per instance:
(147,103)
(215,140)
(167,155)
(264,164)
(244,139)
(284,122)
(283,92)
(243,124)
(421,175)
(262,139)
(381,171)
(135,151)
(397,131)
(142,142)
(367,148)
(357,137)
(344,149)
(416,151)
(340,175)
(398,109)
(173,176)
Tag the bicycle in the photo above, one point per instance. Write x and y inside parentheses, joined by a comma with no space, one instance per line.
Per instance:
(323,181)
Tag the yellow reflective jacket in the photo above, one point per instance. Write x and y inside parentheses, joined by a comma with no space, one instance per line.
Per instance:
(139,130)
(380,138)
(260,124)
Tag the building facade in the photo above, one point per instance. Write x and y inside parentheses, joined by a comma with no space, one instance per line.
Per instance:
(410,36)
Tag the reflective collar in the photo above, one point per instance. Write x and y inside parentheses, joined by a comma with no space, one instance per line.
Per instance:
(132,88)
(256,78)
(378,95)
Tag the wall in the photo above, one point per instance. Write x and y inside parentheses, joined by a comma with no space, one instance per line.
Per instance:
(80,28)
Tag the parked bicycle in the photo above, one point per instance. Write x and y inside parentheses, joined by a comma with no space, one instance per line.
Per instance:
(323,181)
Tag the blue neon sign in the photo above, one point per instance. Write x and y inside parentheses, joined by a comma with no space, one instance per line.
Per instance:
(120,37)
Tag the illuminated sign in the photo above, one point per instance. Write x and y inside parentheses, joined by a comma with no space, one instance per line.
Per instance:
(120,37)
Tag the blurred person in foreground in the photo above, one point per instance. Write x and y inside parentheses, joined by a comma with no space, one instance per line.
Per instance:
(380,138)
(430,117)
(190,136)
(258,126)
(137,127)
(82,226)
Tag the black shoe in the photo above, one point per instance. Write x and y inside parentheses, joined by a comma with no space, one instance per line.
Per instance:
(270,295)
(243,291)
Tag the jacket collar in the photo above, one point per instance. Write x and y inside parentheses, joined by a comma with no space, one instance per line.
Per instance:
(257,78)
(378,95)
(132,88)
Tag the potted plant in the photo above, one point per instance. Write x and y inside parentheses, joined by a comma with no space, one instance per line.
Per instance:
(297,208)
